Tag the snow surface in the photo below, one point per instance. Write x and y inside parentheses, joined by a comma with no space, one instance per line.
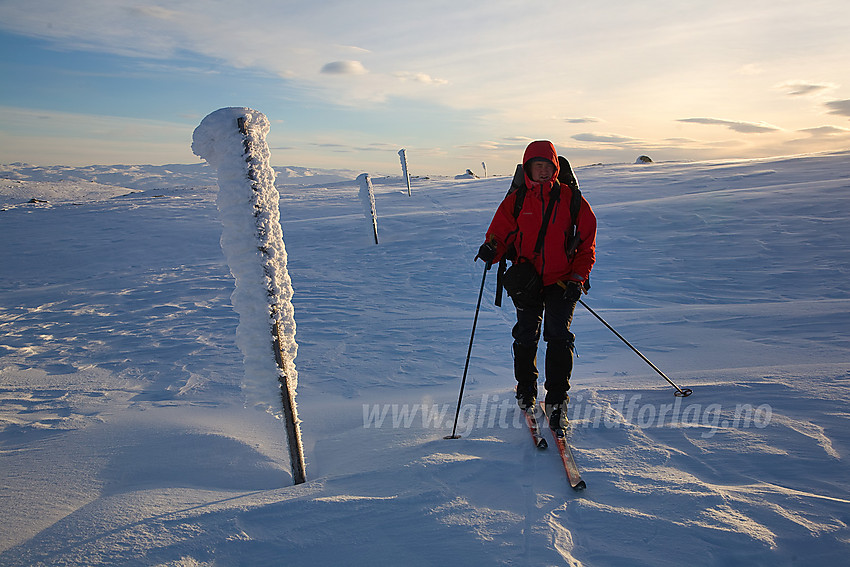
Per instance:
(126,440)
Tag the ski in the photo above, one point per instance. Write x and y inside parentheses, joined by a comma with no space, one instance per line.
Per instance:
(573,474)
(534,428)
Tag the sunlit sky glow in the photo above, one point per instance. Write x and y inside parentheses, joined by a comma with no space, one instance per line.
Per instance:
(346,84)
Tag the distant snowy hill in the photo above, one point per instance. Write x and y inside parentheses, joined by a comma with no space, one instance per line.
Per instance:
(111,180)
(124,439)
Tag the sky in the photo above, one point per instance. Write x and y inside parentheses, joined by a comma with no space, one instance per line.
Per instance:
(457,84)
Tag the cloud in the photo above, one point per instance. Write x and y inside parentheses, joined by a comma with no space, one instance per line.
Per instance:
(344,68)
(585,120)
(603,138)
(353,48)
(840,107)
(73,138)
(420,78)
(331,145)
(508,143)
(737,126)
(156,12)
(378,147)
(803,88)
(826,131)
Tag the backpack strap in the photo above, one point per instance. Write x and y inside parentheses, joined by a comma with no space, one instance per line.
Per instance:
(518,187)
(565,173)
(574,239)
(554,196)
(566,176)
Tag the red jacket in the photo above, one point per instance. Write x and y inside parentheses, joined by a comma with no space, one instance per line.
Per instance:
(552,262)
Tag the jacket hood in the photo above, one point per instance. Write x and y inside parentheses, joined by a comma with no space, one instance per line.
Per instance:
(540,149)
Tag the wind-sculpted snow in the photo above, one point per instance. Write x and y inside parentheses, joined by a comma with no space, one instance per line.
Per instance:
(124,439)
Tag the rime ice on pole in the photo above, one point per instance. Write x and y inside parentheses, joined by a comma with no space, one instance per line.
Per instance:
(252,241)
(402,155)
(367,199)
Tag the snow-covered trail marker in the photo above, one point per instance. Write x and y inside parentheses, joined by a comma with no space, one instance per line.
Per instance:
(402,156)
(367,197)
(233,140)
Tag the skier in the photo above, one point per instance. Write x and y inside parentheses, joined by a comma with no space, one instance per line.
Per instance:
(550,268)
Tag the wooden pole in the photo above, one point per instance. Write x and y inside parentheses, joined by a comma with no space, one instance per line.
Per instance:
(293,432)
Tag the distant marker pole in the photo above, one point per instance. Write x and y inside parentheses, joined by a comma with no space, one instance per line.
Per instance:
(402,155)
(367,195)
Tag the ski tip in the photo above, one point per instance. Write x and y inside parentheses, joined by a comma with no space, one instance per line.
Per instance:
(579,486)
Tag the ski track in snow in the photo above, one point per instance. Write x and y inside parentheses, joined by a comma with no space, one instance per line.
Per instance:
(124,439)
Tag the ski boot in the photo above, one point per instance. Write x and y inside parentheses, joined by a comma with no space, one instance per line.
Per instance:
(526,400)
(557,416)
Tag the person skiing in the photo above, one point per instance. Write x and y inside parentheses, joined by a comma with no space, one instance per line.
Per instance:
(550,269)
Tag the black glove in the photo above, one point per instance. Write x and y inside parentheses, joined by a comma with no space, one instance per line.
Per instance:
(572,291)
(487,252)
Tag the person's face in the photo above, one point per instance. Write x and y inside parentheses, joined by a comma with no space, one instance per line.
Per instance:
(542,171)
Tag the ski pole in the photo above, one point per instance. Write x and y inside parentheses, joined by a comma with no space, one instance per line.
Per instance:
(468,353)
(679,391)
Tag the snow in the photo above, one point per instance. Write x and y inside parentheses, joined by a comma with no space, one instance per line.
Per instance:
(252,241)
(126,438)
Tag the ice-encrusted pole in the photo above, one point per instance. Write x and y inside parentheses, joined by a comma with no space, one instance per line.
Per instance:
(367,197)
(402,155)
(233,140)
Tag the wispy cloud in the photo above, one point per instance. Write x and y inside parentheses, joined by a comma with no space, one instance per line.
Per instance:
(737,126)
(157,12)
(420,78)
(513,144)
(826,131)
(381,147)
(603,138)
(804,88)
(62,137)
(353,48)
(584,120)
(840,107)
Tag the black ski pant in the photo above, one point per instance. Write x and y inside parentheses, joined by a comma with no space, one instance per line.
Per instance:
(554,314)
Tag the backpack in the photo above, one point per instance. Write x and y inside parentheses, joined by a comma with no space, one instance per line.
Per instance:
(565,177)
